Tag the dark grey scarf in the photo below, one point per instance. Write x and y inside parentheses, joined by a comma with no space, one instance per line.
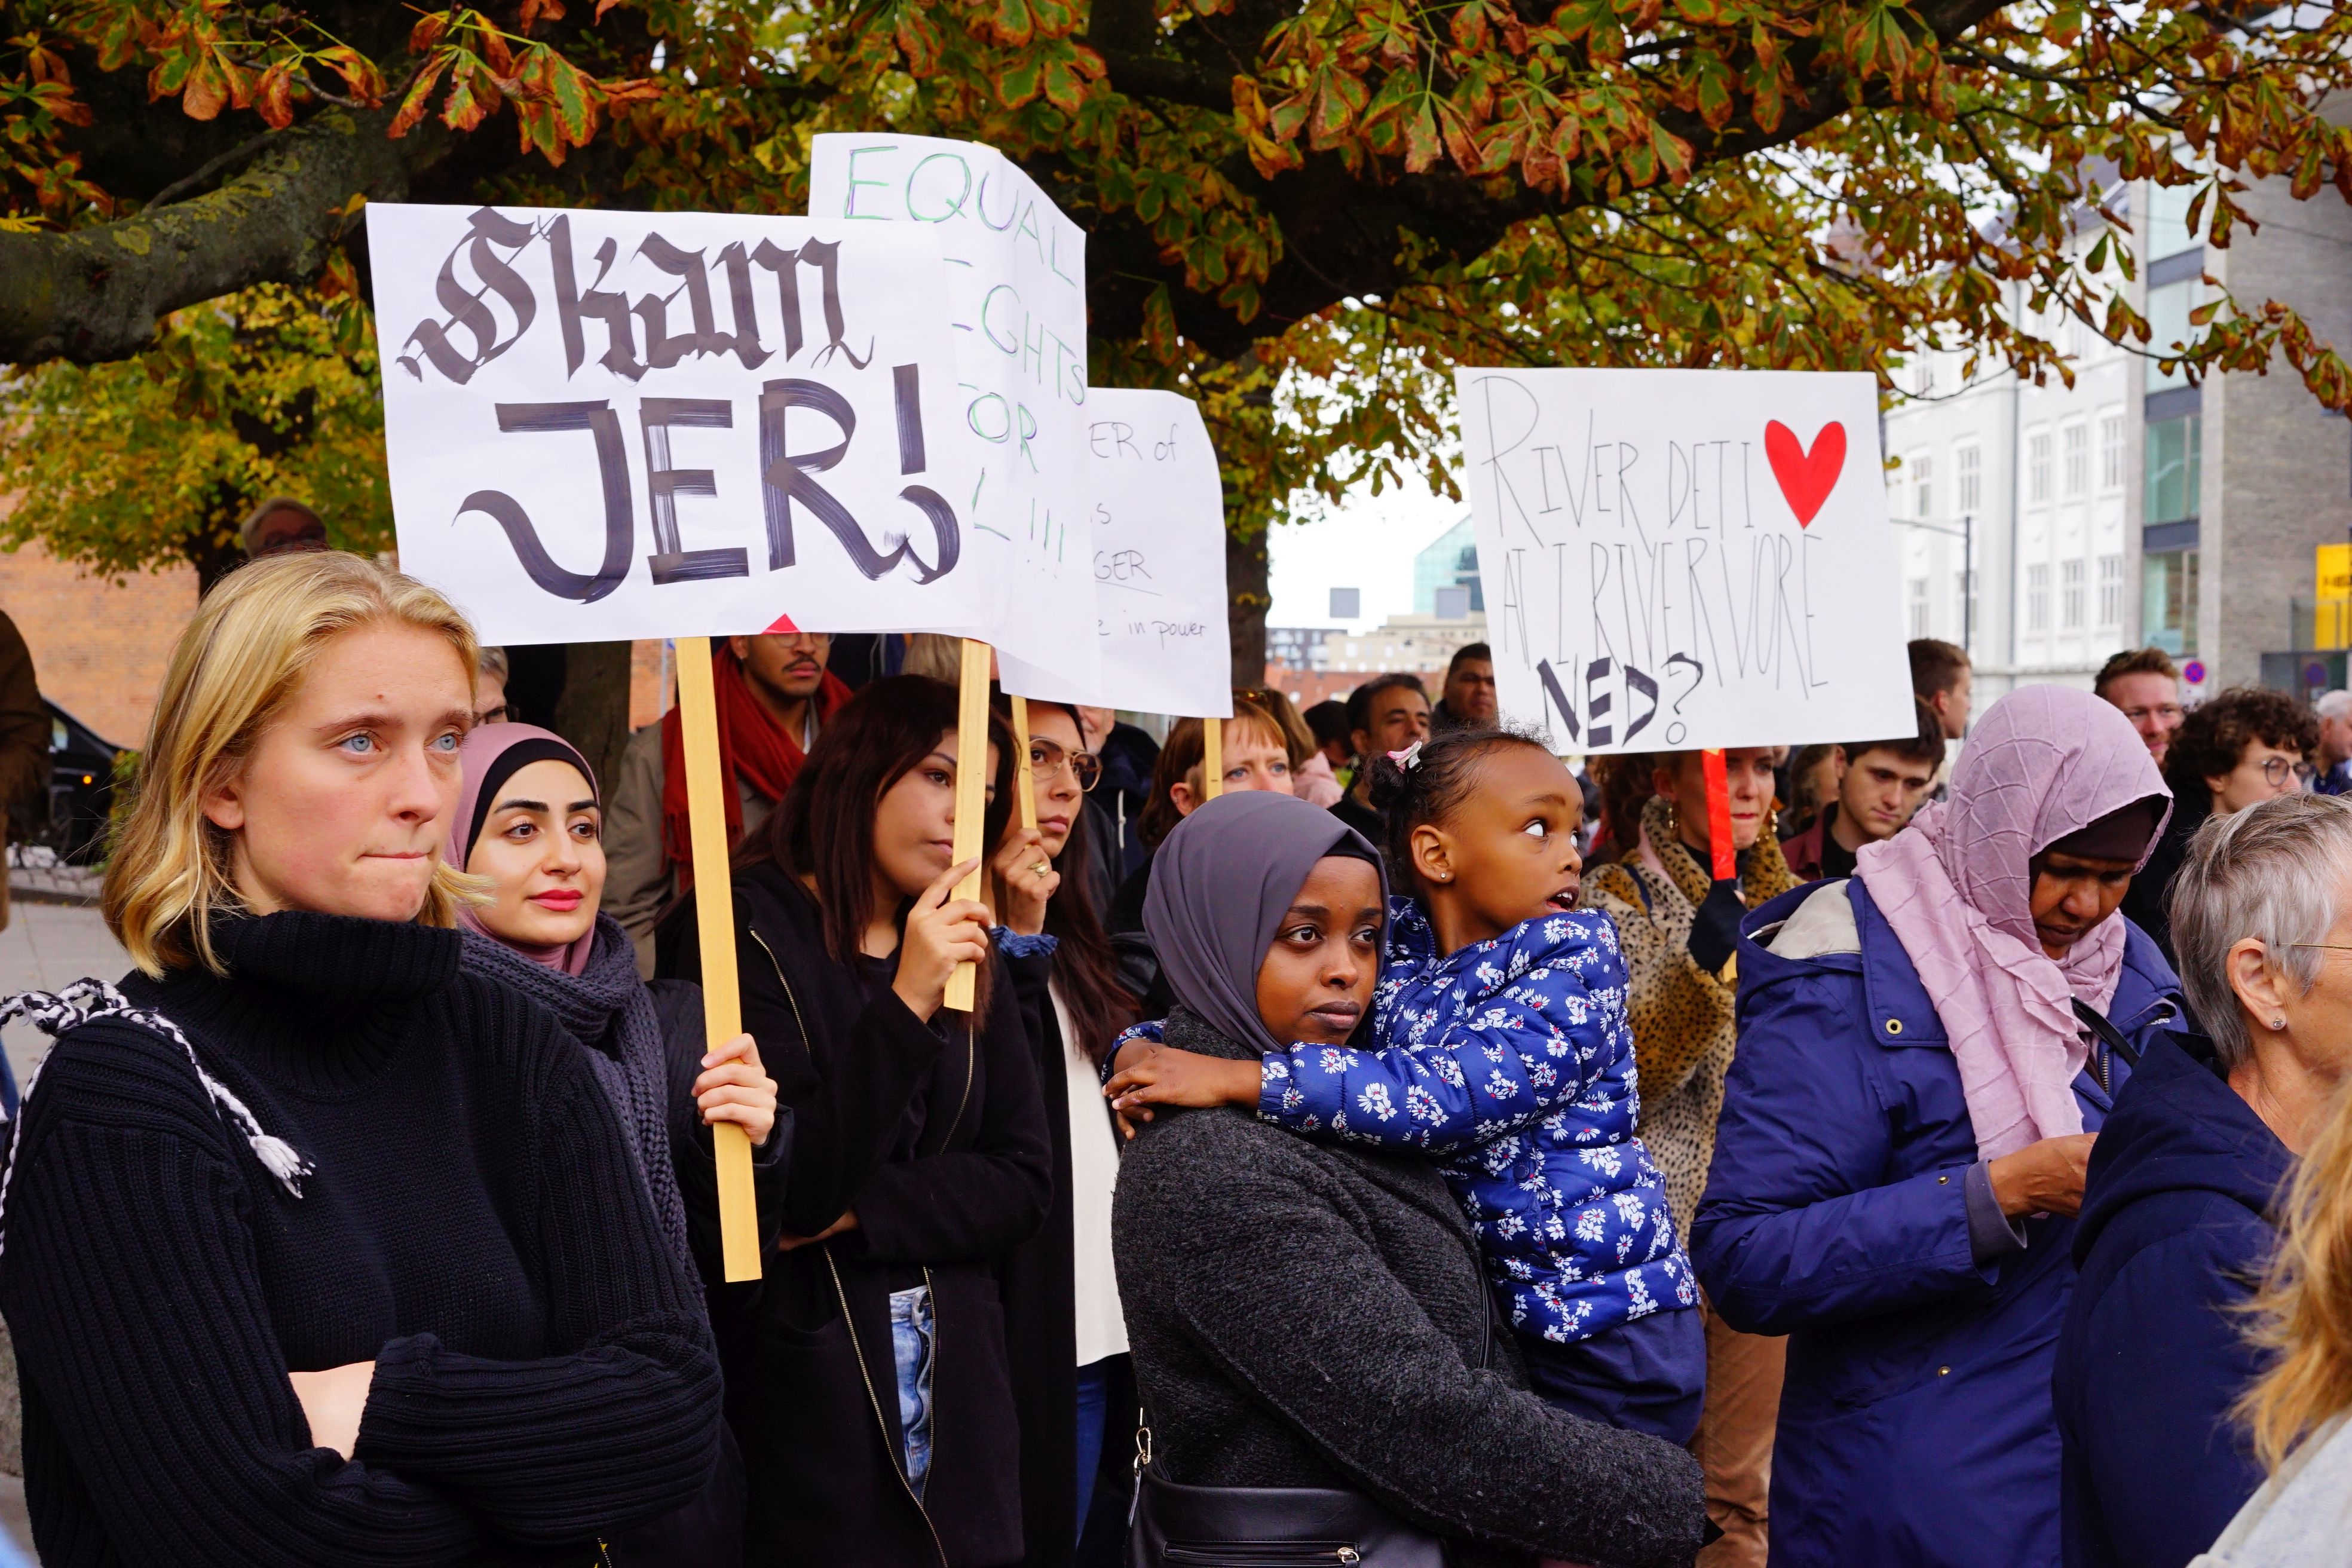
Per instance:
(608,1009)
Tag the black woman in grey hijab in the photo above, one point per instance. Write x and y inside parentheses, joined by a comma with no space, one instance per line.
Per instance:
(1305,1314)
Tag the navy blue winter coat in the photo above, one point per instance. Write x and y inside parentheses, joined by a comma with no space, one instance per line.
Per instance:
(2174,1232)
(1915,1426)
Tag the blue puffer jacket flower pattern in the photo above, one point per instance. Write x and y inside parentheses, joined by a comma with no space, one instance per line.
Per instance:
(1512,1062)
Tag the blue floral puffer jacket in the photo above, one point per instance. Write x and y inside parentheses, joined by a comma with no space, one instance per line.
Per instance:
(1512,1062)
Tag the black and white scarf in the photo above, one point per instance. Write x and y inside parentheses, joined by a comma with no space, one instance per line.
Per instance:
(55,1014)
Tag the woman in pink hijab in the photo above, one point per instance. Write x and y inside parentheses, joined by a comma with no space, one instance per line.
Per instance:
(1926,1053)
(529,827)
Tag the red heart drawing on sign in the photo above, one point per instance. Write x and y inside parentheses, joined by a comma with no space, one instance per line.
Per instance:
(1806,478)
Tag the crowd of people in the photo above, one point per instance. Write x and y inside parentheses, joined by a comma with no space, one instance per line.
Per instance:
(1401,1149)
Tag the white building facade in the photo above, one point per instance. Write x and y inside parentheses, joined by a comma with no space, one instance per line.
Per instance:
(2105,515)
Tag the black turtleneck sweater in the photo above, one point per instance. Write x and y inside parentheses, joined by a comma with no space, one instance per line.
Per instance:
(472,1224)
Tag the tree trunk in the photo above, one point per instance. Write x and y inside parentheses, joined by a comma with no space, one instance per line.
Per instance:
(1246,586)
(592,712)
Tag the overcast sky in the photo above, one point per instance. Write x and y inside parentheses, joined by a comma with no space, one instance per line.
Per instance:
(1366,543)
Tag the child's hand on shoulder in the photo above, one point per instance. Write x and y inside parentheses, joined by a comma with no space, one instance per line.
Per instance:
(1161,1075)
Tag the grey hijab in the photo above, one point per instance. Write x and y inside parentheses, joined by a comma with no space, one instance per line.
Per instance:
(1220,885)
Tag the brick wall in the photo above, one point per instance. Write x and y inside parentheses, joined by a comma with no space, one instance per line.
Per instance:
(98,645)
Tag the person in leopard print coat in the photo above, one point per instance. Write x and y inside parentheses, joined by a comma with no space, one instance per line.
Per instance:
(1676,931)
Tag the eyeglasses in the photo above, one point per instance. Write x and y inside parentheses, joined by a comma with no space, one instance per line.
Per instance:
(1047,759)
(2277,771)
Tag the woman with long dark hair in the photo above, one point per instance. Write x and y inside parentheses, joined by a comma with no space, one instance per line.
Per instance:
(1066,1333)
(868,1369)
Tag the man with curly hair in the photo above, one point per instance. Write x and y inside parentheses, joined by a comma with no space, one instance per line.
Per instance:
(2241,748)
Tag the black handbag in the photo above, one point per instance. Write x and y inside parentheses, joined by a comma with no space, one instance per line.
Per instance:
(1177,1526)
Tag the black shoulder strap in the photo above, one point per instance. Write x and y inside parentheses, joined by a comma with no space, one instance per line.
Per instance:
(2096,1022)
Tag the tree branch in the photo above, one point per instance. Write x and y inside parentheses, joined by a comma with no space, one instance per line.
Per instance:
(96,293)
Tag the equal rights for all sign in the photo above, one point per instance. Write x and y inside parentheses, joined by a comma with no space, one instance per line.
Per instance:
(1685,558)
(1017,302)
(606,425)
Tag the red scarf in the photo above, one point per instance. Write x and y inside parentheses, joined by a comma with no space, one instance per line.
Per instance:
(750,748)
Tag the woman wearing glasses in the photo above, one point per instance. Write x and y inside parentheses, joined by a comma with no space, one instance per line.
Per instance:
(2176,1218)
(2245,746)
(1065,1334)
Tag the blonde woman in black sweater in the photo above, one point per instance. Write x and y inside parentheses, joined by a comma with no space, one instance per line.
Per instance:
(317,1250)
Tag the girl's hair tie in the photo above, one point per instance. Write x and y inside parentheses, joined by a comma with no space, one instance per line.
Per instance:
(1407,759)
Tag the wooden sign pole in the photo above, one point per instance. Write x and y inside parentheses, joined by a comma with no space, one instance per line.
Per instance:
(714,910)
(971,793)
(1212,758)
(1024,776)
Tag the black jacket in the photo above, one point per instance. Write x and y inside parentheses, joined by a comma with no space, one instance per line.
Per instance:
(1303,1314)
(1040,1309)
(935,1135)
(2175,1231)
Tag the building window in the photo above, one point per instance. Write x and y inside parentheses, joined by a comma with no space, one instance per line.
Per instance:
(2070,595)
(2037,467)
(2074,449)
(2037,598)
(2111,592)
(2111,450)
(2168,609)
(1968,479)
(1918,606)
(2165,232)
(2175,468)
(2167,323)
(1922,485)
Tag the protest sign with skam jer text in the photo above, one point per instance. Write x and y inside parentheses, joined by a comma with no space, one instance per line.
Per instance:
(1686,558)
(1157,524)
(778,396)
(607,425)
(1016,293)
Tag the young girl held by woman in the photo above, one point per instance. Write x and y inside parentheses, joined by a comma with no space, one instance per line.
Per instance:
(1502,1049)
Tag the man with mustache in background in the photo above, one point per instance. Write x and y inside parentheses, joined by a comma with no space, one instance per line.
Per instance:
(773,694)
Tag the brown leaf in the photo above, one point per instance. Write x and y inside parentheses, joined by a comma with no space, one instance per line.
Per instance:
(206,92)
(273,97)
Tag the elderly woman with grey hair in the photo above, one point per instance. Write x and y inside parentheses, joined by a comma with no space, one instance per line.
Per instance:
(2178,1217)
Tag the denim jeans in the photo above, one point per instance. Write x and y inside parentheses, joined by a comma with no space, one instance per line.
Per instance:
(1093,1415)
(912,1335)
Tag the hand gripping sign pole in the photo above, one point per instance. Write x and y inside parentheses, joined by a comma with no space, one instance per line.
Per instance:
(714,914)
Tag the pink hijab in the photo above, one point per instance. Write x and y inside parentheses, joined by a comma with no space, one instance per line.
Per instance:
(2044,762)
(494,753)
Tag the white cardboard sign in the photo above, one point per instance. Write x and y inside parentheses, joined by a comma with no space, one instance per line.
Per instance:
(1676,559)
(1157,528)
(1016,291)
(608,424)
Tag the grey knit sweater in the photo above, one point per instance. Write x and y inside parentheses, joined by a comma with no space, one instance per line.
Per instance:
(1303,1314)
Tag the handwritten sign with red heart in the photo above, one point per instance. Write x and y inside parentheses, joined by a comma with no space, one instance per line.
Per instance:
(1806,478)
